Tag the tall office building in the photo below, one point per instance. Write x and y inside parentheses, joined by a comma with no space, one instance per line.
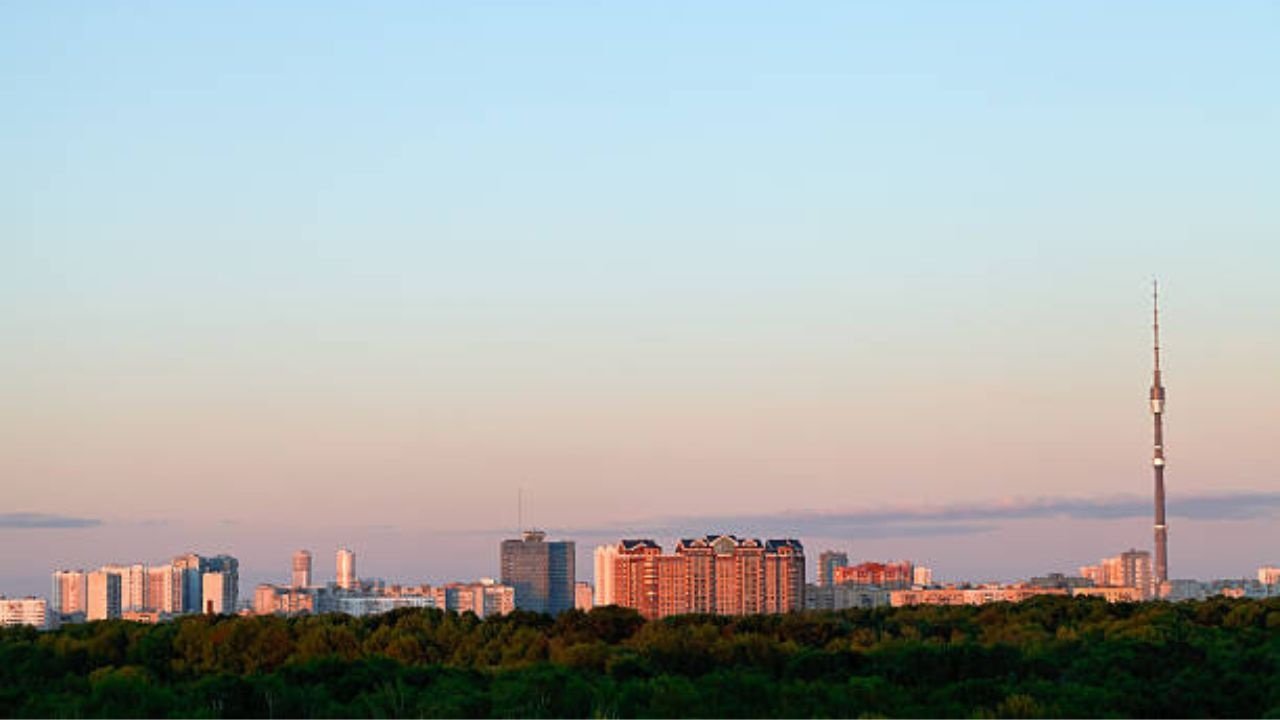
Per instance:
(828,561)
(541,572)
(70,592)
(347,570)
(103,590)
(302,569)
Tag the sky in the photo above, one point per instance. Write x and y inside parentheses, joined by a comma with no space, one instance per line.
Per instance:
(874,275)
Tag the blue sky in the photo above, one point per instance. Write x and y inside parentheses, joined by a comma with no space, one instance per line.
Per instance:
(873,253)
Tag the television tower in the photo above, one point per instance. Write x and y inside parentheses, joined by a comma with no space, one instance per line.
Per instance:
(1157,459)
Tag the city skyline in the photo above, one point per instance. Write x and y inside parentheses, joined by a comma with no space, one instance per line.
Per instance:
(302,277)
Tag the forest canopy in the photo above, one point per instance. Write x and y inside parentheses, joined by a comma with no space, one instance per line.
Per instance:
(1049,656)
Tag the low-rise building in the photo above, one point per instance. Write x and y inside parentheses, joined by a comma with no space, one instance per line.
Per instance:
(1178,590)
(1111,594)
(150,617)
(1243,588)
(844,597)
(963,595)
(583,596)
(1059,580)
(31,611)
(360,605)
(485,598)
(280,600)
(893,575)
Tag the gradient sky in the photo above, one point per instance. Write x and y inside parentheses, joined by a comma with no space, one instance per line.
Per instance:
(279,275)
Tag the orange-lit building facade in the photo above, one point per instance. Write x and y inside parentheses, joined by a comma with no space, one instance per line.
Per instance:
(984,594)
(273,599)
(889,575)
(721,574)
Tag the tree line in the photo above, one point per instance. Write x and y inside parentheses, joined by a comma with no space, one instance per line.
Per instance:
(1046,657)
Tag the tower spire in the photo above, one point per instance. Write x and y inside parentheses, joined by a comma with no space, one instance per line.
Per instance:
(1155,323)
(1157,459)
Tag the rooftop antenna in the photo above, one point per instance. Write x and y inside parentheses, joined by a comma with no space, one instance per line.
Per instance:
(519,510)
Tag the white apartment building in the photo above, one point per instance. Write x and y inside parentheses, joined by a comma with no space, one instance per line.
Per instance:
(133,585)
(70,592)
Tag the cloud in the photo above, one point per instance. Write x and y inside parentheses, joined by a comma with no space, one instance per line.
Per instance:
(33,521)
(947,519)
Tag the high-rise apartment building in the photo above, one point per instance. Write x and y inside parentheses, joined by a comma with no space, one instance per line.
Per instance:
(190,567)
(633,577)
(783,576)
(828,561)
(302,569)
(230,567)
(541,572)
(347,570)
(31,611)
(103,590)
(70,592)
(164,590)
(133,585)
(1132,569)
(921,576)
(721,574)
(1269,575)
(1136,571)
(605,555)
(216,591)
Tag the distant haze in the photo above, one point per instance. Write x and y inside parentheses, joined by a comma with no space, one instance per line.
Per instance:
(292,275)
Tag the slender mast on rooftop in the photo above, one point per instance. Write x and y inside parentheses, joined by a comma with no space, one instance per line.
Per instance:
(1157,460)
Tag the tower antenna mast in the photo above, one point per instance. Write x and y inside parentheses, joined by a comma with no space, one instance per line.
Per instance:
(1157,459)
